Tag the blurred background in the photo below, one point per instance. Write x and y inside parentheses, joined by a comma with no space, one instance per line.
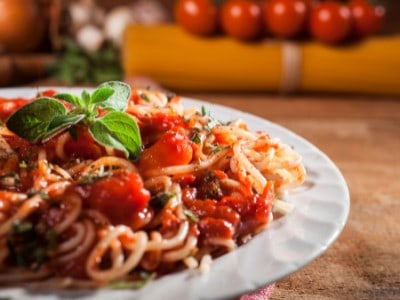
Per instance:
(166,44)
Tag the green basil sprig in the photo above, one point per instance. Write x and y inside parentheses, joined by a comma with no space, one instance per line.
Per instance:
(46,117)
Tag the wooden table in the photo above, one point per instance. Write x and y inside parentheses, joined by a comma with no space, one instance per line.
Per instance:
(362,136)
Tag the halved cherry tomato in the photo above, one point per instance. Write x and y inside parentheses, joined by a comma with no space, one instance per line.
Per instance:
(286,18)
(173,148)
(152,127)
(9,106)
(120,197)
(330,22)
(367,19)
(83,145)
(242,19)
(197,16)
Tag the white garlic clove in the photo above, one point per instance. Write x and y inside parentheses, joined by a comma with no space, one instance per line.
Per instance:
(80,14)
(90,38)
(150,12)
(115,23)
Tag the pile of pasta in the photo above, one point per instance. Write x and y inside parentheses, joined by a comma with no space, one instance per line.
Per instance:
(71,208)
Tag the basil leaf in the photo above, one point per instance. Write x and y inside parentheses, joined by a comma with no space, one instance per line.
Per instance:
(118,130)
(60,123)
(119,100)
(32,120)
(85,98)
(69,98)
(102,135)
(101,95)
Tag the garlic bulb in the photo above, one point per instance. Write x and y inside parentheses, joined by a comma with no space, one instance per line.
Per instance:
(149,12)
(115,23)
(90,38)
(85,12)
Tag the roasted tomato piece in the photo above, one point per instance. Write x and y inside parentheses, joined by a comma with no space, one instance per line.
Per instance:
(121,197)
(8,106)
(172,149)
(216,228)
(82,145)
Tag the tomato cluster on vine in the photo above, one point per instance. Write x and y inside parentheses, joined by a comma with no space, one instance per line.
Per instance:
(328,21)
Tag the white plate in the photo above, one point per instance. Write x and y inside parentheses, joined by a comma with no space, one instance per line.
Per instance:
(321,209)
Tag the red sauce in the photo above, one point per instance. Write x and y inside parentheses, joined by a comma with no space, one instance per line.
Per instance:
(75,268)
(25,150)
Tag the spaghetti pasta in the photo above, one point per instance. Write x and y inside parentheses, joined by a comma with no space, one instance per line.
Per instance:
(73,209)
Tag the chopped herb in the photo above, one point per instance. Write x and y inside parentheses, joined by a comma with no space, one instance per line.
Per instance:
(203,111)
(21,227)
(216,148)
(23,164)
(144,97)
(43,194)
(144,278)
(196,138)
(27,247)
(190,215)
(161,199)
(92,178)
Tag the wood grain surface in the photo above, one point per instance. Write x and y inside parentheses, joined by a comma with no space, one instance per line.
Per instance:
(362,137)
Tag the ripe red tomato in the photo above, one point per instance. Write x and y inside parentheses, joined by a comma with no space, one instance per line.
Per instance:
(286,18)
(120,197)
(83,145)
(242,19)
(172,149)
(330,22)
(9,106)
(197,16)
(367,19)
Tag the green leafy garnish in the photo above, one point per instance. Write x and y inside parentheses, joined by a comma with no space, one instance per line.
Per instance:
(118,130)
(196,138)
(161,199)
(190,215)
(75,65)
(143,279)
(46,117)
(32,121)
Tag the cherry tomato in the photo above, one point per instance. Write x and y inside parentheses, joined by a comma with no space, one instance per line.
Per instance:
(173,148)
(152,127)
(286,18)
(9,106)
(330,22)
(83,145)
(120,197)
(242,19)
(197,16)
(367,19)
